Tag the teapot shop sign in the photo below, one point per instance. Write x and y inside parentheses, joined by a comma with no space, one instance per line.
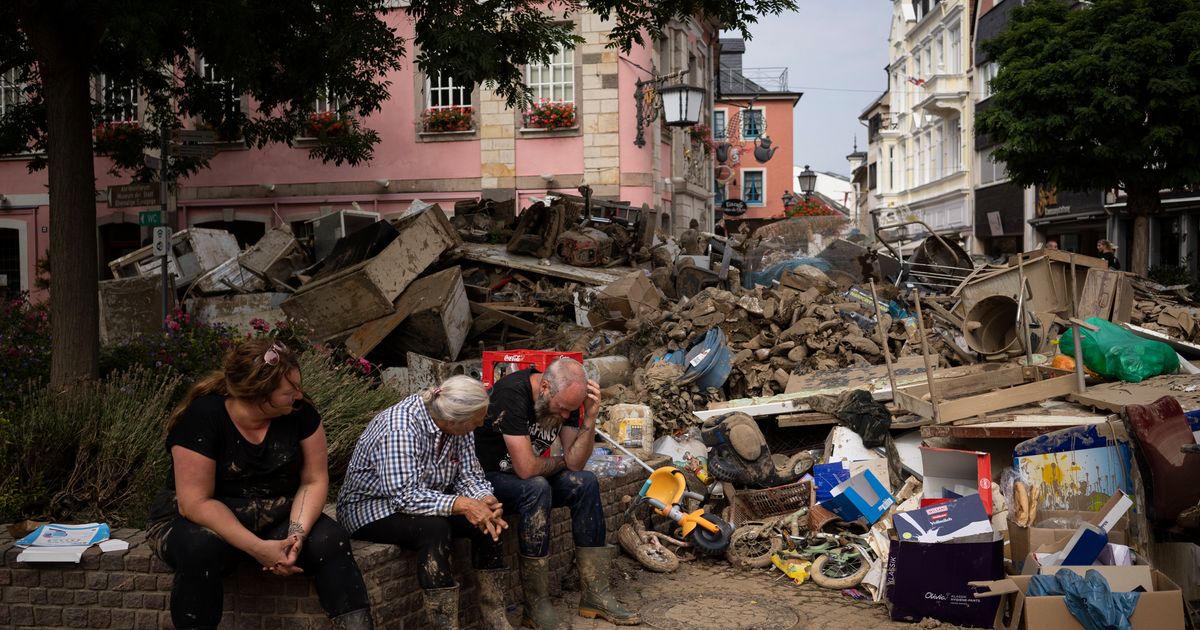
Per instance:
(734,207)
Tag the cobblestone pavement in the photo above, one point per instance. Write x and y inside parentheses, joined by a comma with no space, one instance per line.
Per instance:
(712,595)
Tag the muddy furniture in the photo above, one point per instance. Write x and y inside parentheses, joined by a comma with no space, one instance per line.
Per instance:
(1159,430)
(194,251)
(363,292)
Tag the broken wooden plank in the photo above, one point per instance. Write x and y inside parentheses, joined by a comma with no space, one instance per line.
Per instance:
(513,308)
(1114,396)
(852,376)
(1099,291)
(496,255)
(913,398)
(512,320)
(805,419)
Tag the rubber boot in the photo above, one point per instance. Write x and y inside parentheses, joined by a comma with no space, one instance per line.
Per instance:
(535,581)
(441,604)
(597,600)
(491,599)
(354,620)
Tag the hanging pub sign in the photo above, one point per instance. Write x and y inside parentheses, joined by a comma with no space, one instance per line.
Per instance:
(734,207)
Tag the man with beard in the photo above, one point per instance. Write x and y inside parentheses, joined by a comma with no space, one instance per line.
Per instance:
(528,410)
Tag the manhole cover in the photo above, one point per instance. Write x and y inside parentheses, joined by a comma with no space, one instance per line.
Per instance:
(727,612)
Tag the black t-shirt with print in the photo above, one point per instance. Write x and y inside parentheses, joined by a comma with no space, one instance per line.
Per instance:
(257,481)
(510,412)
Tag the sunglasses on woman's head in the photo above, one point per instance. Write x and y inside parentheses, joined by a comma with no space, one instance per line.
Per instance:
(271,356)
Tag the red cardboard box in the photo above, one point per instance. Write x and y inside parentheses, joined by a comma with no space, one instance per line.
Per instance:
(951,474)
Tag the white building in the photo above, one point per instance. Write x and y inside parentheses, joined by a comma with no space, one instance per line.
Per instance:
(924,163)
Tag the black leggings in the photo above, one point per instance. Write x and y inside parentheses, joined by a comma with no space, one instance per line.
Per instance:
(430,537)
(200,558)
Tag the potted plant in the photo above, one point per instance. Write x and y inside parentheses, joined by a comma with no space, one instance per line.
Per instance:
(119,139)
(446,119)
(700,134)
(547,114)
(327,124)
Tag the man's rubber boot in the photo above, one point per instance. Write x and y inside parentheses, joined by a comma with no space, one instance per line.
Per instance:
(597,600)
(354,620)
(441,604)
(535,582)
(491,599)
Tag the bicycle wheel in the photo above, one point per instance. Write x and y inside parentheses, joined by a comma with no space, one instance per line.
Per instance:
(752,547)
(656,558)
(838,573)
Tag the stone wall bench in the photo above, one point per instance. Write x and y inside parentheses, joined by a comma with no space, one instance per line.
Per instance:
(131,589)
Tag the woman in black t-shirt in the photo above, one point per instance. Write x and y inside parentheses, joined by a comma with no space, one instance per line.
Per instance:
(249,477)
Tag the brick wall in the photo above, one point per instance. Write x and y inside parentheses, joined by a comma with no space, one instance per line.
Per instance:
(130,589)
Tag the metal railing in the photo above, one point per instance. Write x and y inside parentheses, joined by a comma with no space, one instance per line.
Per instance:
(753,80)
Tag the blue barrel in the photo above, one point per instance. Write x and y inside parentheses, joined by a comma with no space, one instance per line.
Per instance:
(709,362)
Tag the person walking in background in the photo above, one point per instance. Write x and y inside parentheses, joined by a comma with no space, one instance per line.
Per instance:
(1108,252)
(1051,244)
(249,477)
(414,481)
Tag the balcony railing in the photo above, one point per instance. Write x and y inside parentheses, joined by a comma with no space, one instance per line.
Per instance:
(753,80)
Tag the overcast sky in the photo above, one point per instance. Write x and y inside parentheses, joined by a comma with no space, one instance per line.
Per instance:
(839,46)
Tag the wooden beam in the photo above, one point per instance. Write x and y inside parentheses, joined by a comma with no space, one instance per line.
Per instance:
(496,255)
(805,419)
(1046,389)
(511,320)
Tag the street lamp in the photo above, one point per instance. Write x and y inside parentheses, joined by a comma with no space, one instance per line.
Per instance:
(808,181)
(790,199)
(681,104)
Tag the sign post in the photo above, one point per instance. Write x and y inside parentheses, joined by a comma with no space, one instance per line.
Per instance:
(162,248)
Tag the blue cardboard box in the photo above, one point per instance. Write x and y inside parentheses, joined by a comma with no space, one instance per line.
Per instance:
(826,477)
(861,496)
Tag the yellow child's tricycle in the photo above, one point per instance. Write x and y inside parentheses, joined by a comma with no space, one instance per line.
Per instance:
(664,490)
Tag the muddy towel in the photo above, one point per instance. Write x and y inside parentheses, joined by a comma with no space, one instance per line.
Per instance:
(1088,598)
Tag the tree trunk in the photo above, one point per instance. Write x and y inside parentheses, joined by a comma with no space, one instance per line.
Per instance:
(1142,202)
(63,48)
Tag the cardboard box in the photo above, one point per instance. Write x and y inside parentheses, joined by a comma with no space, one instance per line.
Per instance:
(962,518)
(623,300)
(861,496)
(951,474)
(933,580)
(1160,606)
(1023,540)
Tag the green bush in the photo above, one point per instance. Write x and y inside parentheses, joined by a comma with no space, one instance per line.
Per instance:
(91,452)
(24,346)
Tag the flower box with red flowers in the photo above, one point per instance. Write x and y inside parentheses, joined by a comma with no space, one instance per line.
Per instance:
(447,119)
(547,114)
(700,134)
(117,131)
(325,124)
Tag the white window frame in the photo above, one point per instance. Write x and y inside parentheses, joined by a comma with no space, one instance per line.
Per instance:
(209,75)
(954,48)
(990,172)
(762,116)
(542,83)
(451,94)
(327,101)
(742,182)
(987,73)
(131,98)
(12,90)
(724,127)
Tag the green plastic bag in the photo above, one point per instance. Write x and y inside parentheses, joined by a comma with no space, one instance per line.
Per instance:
(1113,352)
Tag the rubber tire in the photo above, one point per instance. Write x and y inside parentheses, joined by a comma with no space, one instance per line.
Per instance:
(850,581)
(740,557)
(657,559)
(709,543)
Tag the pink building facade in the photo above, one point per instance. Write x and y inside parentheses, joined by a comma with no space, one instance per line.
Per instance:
(500,156)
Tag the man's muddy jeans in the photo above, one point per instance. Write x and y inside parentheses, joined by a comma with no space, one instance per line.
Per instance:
(532,498)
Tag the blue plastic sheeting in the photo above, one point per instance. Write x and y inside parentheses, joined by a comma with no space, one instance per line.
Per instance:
(1088,598)
(773,273)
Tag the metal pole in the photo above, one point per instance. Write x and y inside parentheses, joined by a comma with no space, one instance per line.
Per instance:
(933,401)
(887,354)
(1023,320)
(1080,381)
(165,139)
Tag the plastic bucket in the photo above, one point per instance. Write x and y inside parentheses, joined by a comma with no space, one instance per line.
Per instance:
(708,362)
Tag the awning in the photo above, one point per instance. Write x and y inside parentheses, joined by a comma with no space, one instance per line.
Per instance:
(1070,217)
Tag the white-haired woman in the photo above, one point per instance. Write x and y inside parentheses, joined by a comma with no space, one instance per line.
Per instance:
(414,481)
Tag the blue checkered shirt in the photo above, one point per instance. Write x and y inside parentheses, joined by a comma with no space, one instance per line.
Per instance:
(396,468)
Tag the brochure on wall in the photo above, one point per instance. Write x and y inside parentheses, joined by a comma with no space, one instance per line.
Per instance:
(60,543)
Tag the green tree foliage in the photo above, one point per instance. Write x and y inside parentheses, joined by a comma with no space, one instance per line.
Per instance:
(1104,95)
(283,55)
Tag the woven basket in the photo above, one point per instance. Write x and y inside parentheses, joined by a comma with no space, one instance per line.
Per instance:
(759,504)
